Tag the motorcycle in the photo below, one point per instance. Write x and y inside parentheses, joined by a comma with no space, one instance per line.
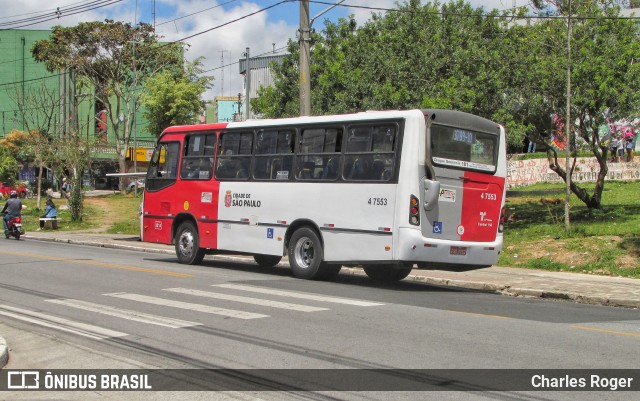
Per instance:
(15,228)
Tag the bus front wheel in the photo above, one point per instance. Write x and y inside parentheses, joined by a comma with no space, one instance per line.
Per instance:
(306,254)
(386,273)
(188,244)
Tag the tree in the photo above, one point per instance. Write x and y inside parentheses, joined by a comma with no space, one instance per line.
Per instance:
(39,107)
(114,58)
(8,166)
(171,98)
(604,80)
(74,154)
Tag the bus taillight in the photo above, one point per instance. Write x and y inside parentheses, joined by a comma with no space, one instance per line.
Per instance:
(414,211)
(503,213)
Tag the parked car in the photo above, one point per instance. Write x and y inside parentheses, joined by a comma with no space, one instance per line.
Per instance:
(5,190)
(108,183)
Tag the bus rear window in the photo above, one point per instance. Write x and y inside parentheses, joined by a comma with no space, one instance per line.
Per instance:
(463,148)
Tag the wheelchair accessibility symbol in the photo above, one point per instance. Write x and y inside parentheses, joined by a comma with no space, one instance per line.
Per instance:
(437,227)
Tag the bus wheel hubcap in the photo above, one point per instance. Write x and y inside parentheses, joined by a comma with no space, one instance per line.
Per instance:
(186,243)
(304,252)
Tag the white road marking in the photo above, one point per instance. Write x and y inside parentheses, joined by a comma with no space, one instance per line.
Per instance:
(42,319)
(124,313)
(299,295)
(247,300)
(189,306)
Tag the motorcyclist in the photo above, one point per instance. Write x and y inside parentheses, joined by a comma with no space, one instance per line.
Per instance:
(12,208)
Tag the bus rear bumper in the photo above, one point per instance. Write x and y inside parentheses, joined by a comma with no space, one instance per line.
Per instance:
(414,248)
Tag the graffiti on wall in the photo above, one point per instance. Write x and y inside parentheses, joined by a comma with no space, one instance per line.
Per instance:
(527,172)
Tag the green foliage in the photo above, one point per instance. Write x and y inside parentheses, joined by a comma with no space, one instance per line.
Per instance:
(114,59)
(174,99)
(8,166)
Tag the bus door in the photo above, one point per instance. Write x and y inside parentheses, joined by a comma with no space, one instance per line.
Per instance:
(469,196)
(158,205)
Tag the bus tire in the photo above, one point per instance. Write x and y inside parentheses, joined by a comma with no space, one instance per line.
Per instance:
(187,244)
(306,256)
(386,273)
(329,271)
(267,261)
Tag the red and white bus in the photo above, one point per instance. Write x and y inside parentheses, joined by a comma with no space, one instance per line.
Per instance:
(383,189)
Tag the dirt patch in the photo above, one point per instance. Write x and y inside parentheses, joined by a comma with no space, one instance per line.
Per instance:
(101,214)
(564,251)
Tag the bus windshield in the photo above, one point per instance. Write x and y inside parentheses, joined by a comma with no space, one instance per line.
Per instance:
(463,148)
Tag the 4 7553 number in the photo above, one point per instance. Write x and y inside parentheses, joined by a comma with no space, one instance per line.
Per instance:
(378,201)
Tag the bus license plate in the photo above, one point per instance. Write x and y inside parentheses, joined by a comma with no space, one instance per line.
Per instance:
(458,250)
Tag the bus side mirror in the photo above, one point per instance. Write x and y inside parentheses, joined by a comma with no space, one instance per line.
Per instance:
(431,193)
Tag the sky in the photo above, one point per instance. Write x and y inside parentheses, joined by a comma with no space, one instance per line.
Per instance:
(271,25)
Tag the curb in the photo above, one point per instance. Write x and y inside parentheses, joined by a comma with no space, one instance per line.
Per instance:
(463,284)
(4,352)
(103,245)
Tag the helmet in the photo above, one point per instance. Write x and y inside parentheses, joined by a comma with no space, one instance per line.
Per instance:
(13,194)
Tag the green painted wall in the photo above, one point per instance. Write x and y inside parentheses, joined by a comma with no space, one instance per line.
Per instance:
(20,72)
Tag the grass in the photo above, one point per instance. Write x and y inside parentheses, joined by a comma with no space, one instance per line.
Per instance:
(114,214)
(604,241)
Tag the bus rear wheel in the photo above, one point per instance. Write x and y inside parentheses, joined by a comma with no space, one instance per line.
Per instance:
(306,256)
(267,261)
(386,273)
(187,244)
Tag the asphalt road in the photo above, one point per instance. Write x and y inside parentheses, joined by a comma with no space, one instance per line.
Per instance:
(150,309)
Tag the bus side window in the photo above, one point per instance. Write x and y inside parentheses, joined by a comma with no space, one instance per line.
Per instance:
(273,154)
(234,156)
(369,153)
(319,154)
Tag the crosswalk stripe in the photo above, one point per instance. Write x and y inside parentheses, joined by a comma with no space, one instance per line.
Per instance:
(41,319)
(124,313)
(299,295)
(247,300)
(189,306)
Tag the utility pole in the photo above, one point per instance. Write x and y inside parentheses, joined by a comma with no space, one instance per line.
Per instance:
(247,85)
(304,40)
(305,50)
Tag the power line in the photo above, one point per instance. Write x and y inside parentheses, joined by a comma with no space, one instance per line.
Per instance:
(231,22)
(238,62)
(175,41)
(443,13)
(59,13)
(194,13)
(36,12)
